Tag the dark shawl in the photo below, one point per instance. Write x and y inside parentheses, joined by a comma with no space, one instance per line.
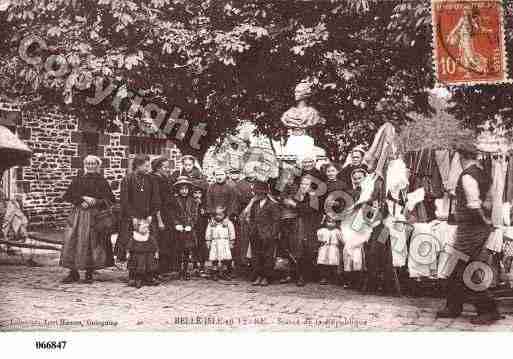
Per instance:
(92,185)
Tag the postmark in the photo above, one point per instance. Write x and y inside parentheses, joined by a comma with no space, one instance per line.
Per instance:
(468,42)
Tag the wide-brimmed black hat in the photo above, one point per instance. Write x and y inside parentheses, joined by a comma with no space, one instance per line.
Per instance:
(183,180)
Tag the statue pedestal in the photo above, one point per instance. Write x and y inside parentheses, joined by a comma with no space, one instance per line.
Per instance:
(302,146)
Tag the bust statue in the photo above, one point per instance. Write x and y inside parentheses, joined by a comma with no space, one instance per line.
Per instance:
(298,120)
(301,116)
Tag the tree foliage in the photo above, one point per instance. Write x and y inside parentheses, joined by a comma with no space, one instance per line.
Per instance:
(225,61)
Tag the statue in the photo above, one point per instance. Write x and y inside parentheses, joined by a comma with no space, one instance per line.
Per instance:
(297,120)
(301,116)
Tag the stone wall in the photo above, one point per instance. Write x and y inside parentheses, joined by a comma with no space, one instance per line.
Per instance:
(42,184)
(58,144)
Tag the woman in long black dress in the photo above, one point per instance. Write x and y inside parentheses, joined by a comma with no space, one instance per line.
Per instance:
(160,171)
(85,248)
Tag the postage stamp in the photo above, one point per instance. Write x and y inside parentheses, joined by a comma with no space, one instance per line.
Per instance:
(468,42)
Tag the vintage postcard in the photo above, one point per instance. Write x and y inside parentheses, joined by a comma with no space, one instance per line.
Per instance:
(254,166)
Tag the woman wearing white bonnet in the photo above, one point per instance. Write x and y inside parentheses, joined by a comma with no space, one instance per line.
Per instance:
(84,247)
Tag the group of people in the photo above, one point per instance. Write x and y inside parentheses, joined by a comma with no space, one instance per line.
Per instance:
(266,232)
(178,222)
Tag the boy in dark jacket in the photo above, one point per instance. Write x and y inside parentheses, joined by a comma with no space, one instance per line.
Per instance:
(264,217)
(185,216)
(201,251)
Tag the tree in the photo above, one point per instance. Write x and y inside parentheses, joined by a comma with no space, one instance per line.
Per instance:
(225,61)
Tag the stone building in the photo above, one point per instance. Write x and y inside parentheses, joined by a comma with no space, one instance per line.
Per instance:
(59,143)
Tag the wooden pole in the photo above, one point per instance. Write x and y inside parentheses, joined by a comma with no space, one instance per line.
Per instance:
(28,245)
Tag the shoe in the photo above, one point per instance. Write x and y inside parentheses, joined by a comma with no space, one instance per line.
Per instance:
(131,282)
(300,282)
(323,281)
(447,313)
(138,283)
(257,281)
(264,282)
(486,318)
(72,277)
(151,282)
(225,276)
(88,278)
(286,280)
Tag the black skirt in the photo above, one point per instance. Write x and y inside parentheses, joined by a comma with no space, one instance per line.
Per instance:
(142,263)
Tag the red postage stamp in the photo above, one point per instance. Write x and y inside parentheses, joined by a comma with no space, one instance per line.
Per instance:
(468,42)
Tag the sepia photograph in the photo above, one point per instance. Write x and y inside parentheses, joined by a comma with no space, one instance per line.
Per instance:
(249,166)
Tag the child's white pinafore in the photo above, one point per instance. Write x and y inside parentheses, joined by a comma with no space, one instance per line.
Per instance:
(219,235)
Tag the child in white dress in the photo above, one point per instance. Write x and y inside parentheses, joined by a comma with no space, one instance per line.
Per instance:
(220,238)
(328,258)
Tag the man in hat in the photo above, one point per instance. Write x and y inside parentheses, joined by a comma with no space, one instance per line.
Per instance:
(264,217)
(474,228)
